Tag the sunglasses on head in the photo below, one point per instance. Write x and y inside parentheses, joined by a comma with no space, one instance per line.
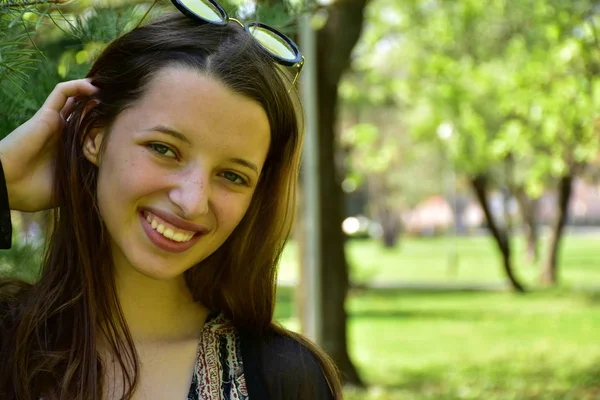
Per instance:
(281,48)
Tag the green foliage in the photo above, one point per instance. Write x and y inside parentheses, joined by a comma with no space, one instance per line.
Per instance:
(44,44)
(107,23)
(515,80)
(371,155)
(18,102)
(398,170)
(69,36)
(14,58)
(24,257)
(16,53)
(279,15)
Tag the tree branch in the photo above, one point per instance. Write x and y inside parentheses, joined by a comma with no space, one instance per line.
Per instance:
(29,3)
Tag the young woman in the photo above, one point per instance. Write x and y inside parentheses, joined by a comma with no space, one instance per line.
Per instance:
(173,168)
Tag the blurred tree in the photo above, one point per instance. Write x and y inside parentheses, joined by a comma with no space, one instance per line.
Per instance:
(554,105)
(380,153)
(398,171)
(505,84)
(333,51)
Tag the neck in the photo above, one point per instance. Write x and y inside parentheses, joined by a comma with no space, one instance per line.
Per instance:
(158,310)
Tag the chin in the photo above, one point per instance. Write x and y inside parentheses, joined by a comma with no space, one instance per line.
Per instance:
(158,273)
(162,267)
(153,267)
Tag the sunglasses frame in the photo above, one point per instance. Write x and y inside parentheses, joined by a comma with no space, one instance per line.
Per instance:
(297,62)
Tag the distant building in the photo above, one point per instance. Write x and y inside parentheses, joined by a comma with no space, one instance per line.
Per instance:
(435,214)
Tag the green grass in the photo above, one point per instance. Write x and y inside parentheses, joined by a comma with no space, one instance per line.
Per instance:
(427,260)
(469,345)
(458,345)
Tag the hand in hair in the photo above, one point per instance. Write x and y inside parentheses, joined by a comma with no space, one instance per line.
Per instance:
(28,153)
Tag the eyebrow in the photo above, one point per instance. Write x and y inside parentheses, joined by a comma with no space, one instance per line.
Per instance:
(170,132)
(245,163)
(183,138)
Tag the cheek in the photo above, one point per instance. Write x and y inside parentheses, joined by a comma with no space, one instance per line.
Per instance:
(128,175)
(230,208)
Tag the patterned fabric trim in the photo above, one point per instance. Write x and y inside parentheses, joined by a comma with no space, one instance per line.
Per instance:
(219,372)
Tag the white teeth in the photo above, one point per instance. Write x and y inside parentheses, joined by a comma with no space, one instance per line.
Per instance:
(169,233)
(178,237)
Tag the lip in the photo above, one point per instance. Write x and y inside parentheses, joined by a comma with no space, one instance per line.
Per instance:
(176,221)
(167,244)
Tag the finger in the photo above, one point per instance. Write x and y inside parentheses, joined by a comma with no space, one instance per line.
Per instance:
(58,98)
(66,110)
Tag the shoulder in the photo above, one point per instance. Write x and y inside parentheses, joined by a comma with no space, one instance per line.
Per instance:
(286,354)
(290,369)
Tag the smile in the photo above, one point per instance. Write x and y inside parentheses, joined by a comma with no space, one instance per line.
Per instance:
(167,236)
(167,230)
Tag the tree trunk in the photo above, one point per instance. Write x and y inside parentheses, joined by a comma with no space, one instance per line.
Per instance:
(528,208)
(479,184)
(387,216)
(550,267)
(335,42)
(391,226)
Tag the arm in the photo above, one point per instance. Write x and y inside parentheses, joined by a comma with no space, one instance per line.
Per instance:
(27,156)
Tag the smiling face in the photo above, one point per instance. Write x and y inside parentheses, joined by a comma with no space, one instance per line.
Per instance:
(178,171)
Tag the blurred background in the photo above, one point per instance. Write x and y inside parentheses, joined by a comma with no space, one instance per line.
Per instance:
(446,245)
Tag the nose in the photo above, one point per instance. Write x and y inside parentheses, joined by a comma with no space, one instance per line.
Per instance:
(192,194)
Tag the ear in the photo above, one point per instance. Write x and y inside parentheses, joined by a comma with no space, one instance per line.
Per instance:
(93,141)
(92,146)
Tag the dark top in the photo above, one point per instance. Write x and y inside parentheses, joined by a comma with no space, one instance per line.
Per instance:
(5,224)
(275,366)
(282,368)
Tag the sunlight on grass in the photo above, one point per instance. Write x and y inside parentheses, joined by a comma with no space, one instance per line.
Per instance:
(427,260)
(459,345)
(467,345)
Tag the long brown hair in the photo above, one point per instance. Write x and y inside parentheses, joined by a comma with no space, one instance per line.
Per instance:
(50,330)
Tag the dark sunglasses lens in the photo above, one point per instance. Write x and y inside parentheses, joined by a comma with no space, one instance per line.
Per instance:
(273,43)
(204,9)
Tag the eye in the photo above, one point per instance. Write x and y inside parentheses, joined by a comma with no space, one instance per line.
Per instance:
(234,178)
(162,149)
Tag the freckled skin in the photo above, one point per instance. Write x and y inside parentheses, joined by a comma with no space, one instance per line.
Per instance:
(190,185)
